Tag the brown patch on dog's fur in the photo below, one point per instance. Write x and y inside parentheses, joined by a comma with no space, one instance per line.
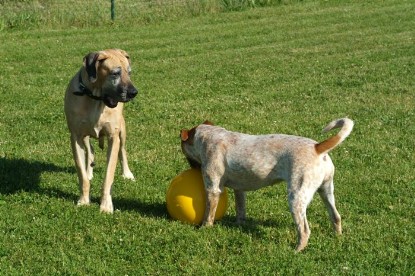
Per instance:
(328,144)
(187,135)
(207,122)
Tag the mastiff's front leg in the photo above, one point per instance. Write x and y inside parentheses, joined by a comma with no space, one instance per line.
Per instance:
(78,150)
(112,158)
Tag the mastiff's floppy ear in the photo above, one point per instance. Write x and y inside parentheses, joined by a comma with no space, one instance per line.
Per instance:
(91,63)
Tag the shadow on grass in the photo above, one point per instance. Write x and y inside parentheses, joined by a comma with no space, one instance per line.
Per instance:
(17,175)
(24,175)
(256,227)
(154,210)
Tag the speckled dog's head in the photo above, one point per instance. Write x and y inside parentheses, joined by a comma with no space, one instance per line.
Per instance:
(187,138)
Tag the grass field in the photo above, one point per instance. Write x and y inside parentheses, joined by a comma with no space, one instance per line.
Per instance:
(288,68)
(77,13)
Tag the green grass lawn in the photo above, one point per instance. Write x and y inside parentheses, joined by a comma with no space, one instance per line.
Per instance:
(287,68)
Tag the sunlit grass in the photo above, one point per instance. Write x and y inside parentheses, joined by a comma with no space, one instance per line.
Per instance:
(289,68)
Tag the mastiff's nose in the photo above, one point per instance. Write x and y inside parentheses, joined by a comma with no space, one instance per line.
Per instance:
(131,91)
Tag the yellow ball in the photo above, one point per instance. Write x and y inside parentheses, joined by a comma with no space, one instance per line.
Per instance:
(186,198)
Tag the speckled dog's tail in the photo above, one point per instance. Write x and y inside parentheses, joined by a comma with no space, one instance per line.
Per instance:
(327,145)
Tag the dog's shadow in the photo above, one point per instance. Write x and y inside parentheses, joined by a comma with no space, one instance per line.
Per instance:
(24,175)
(21,175)
(257,228)
(154,210)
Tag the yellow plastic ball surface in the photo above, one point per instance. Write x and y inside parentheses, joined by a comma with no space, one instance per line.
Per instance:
(186,198)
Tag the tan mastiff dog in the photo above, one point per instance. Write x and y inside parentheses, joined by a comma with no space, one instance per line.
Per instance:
(94,108)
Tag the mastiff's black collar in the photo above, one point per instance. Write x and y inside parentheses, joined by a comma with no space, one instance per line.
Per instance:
(84,91)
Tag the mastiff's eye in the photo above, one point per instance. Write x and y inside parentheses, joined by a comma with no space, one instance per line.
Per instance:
(116,73)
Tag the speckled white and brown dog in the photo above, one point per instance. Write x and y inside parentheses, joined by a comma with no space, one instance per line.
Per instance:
(248,162)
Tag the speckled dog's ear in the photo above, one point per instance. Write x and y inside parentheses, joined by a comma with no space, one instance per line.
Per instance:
(184,135)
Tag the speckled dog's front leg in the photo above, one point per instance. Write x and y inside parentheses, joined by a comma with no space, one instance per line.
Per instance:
(212,200)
